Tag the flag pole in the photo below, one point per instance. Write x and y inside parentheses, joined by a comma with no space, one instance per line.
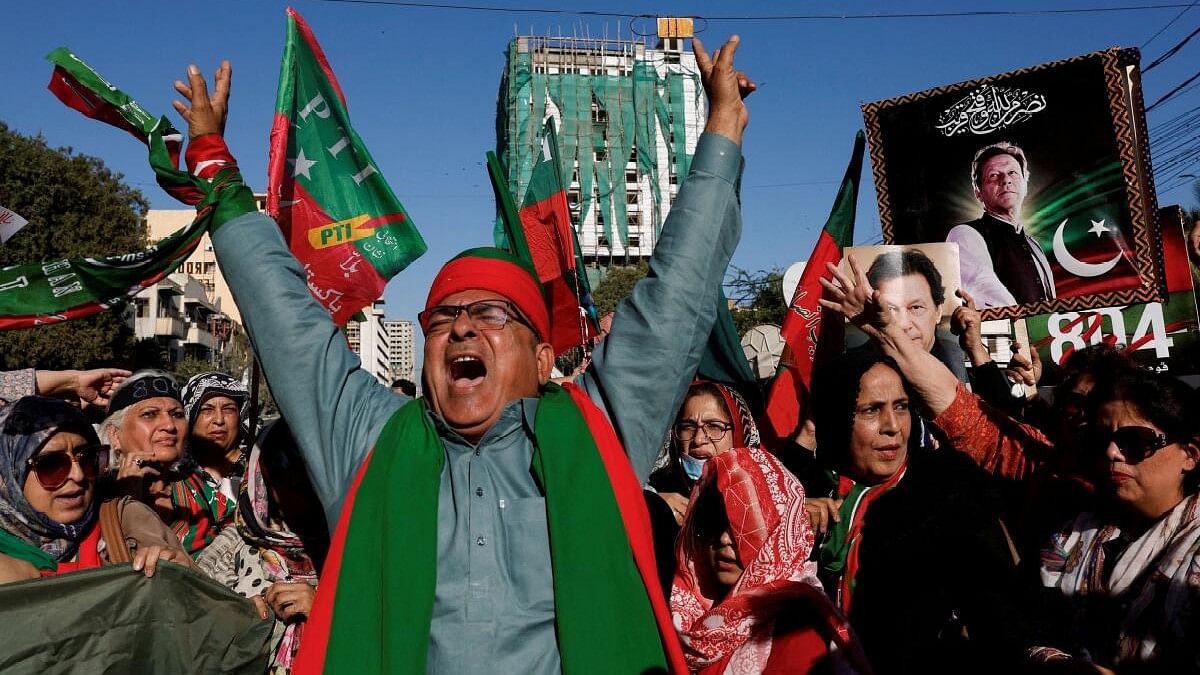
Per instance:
(513,231)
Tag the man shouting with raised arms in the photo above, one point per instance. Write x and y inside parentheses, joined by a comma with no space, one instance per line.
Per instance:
(497,523)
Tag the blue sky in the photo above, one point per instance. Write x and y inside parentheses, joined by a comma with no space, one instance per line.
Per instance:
(422,84)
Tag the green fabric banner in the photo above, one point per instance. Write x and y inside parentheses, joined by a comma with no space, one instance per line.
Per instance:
(113,620)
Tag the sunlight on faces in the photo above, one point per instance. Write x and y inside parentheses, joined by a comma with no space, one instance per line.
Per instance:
(1003,186)
(154,427)
(471,374)
(911,301)
(1154,485)
(882,423)
(70,501)
(217,421)
(699,410)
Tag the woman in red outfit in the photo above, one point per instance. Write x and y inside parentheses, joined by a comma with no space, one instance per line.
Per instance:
(746,598)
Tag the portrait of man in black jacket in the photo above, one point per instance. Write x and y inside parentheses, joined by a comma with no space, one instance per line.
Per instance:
(1001,264)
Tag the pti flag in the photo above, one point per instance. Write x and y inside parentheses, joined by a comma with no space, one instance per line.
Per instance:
(340,217)
(550,237)
(804,328)
(51,291)
(10,223)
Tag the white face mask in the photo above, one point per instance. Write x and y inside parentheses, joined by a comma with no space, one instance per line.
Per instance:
(691,466)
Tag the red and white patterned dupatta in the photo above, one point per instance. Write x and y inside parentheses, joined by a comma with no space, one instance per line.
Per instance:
(773,539)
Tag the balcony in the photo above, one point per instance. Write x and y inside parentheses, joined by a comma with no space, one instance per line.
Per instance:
(197,334)
(170,326)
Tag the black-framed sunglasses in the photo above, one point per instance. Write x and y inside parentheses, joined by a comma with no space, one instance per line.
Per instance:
(52,469)
(1135,442)
(713,431)
(485,314)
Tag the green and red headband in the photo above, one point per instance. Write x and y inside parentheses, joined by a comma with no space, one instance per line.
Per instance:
(496,270)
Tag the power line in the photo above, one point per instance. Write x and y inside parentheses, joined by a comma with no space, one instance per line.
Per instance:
(1174,91)
(1169,23)
(1171,52)
(779,17)
(961,14)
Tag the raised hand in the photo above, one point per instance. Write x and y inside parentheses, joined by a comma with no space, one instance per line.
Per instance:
(206,114)
(851,296)
(95,386)
(854,298)
(726,88)
(967,324)
(1025,367)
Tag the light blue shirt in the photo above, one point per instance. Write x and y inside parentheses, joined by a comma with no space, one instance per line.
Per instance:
(494,602)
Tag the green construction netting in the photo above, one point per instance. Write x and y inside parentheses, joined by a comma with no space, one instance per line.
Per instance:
(603,119)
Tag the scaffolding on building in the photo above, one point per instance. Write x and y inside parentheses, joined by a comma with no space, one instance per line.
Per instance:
(628,119)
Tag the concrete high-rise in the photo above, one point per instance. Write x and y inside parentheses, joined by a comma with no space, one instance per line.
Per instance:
(402,351)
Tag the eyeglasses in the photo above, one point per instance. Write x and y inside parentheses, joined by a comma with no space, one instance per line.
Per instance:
(713,431)
(1136,443)
(485,314)
(52,469)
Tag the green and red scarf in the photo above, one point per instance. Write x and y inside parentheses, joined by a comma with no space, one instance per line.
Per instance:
(370,618)
(53,291)
(199,512)
(839,556)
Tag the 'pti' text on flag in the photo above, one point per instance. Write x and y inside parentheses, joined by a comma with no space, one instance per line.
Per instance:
(340,217)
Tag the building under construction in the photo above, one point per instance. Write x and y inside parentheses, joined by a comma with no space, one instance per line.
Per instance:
(628,119)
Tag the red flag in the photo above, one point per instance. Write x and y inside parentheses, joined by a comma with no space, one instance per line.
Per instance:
(546,220)
(803,326)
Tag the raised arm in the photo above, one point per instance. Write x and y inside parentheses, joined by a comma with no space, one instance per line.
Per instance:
(641,371)
(335,408)
(995,441)
(853,297)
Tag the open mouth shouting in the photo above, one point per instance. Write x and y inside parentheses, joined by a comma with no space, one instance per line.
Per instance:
(466,371)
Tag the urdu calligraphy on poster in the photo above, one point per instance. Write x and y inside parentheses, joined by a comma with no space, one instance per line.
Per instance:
(989,108)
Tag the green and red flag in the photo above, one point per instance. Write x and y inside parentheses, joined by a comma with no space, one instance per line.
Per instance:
(80,87)
(551,240)
(809,328)
(53,291)
(340,217)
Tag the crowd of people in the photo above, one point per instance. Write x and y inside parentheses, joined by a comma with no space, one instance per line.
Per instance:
(629,519)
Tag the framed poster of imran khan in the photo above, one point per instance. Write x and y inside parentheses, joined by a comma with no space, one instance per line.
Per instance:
(1039,175)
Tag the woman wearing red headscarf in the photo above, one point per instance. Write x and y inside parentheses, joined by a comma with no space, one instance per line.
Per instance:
(745,597)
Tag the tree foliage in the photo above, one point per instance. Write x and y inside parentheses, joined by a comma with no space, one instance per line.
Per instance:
(76,208)
(616,285)
(758,298)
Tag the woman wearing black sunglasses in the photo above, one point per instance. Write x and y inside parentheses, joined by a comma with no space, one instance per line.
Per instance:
(50,459)
(1127,576)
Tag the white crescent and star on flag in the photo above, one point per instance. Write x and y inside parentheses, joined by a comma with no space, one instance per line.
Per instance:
(1076,266)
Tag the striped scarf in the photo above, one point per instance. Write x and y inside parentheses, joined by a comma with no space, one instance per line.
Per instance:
(199,511)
